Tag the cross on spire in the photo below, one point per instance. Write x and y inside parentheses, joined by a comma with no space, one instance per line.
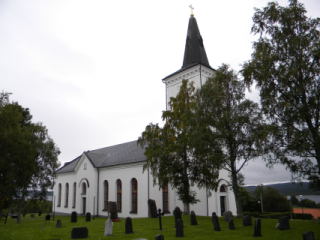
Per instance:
(191,8)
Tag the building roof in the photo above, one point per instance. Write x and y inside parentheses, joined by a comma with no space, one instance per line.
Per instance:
(125,153)
(194,52)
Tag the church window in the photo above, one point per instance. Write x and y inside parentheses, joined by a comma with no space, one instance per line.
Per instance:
(165,198)
(74,195)
(84,189)
(223,188)
(105,194)
(85,166)
(59,195)
(119,195)
(134,195)
(67,195)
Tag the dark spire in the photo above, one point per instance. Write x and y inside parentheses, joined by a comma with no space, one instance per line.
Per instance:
(194,52)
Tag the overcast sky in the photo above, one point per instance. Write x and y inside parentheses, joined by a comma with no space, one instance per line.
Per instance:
(91,71)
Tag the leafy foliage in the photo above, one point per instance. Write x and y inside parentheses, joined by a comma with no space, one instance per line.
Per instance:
(231,122)
(170,152)
(28,156)
(285,67)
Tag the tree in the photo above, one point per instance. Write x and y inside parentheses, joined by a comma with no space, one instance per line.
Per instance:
(285,67)
(273,201)
(28,156)
(230,120)
(170,151)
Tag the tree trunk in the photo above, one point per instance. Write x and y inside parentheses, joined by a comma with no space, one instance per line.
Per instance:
(186,208)
(235,188)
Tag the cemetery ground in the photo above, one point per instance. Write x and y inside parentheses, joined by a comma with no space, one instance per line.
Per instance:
(147,228)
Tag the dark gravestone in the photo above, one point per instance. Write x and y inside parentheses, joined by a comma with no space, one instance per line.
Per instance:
(159,237)
(179,228)
(74,217)
(308,236)
(193,218)
(247,221)
(215,222)
(32,215)
(79,232)
(58,224)
(177,213)
(48,217)
(113,211)
(228,216)
(257,228)
(39,213)
(128,225)
(88,217)
(283,223)
(231,225)
(152,208)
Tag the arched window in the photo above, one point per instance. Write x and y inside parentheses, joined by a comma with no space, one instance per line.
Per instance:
(134,195)
(74,195)
(84,188)
(119,195)
(67,195)
(223,188)
(59,195)
(165,198)
(105,195)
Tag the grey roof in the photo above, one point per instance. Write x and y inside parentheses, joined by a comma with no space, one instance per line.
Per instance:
(194,52)
(124,153)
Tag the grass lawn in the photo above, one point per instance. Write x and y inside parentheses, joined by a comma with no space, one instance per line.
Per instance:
(37,228)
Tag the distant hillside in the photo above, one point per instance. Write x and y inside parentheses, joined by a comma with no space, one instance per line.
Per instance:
(290,188)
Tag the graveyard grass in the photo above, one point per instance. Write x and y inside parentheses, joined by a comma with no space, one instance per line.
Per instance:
(36,228)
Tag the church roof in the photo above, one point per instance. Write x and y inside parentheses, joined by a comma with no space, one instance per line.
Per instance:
(194,52)
(125,153)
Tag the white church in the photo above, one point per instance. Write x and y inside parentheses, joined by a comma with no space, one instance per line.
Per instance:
(115,173)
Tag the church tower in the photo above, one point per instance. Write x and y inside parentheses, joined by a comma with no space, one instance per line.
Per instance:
(195,68)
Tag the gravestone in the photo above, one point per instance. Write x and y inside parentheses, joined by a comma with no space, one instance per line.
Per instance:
(257,228)
(215,222)
(227,216)
(128,226)
(308,236)
(88,217)
(231,225)
(113,211)
(74,217)
(177,215)
(48,217)
(79,232)
(193,218)
(32,215)
(39,213)
(18,218)
(152,208)
(159,237)
(247,221)
(58,224)
(283,223)
(179,228)
(108,227)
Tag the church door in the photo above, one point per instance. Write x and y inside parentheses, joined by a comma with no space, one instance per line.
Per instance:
(222,204)
(84,206)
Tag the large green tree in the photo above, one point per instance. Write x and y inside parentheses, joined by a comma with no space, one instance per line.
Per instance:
(28,156)
(231,120)
(170,153)
(285,67)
